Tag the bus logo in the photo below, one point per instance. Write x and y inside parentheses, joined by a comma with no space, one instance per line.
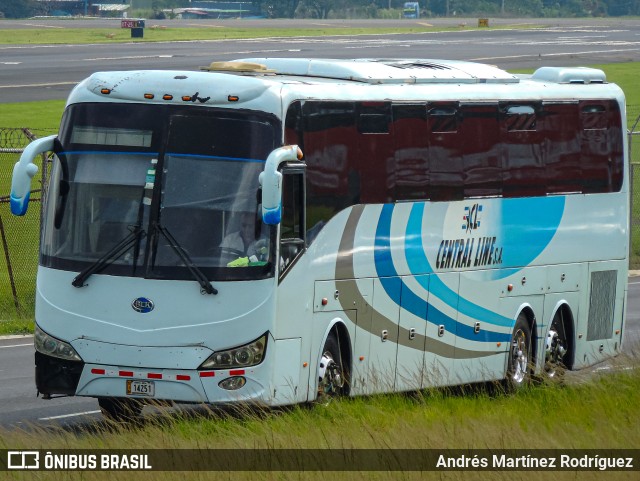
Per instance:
(142,304)
(471,217)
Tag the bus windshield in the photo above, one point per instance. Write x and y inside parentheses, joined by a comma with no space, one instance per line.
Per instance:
(184,182)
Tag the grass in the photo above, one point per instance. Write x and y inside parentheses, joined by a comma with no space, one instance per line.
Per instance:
(42,115)
(600,413)
(16,326)
(63,35)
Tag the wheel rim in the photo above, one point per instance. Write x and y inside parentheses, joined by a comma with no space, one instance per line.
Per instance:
(519,356)
(330,377)
(554,353)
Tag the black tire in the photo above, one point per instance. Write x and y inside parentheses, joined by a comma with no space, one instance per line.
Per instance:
(332,377)
(519,365)
(121,409)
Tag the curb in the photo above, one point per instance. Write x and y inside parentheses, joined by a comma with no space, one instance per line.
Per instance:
(16,336)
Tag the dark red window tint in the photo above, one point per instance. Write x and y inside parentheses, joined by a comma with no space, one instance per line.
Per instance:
(375,159)
(379,152)
(522,150)
(601,146)
(479,136)
(561,133)
(411,137)
(445,152)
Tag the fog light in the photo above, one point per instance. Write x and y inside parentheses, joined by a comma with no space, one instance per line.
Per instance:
(232,383)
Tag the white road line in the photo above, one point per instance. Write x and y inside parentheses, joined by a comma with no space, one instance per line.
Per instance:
(42,25)
(63,416)
(546,55)
(131,57)
(37,85)
(17,345)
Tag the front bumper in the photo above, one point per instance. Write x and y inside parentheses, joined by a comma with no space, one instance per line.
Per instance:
(57,376)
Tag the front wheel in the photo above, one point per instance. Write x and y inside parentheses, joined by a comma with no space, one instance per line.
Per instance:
(519,364)
(331,373)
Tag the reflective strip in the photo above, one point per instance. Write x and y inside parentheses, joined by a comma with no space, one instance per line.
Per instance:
(142,375)
(237,372)
(207,374)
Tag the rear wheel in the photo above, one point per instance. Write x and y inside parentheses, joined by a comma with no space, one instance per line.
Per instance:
(519,364)
(555,349)
(331,373)
(120,409)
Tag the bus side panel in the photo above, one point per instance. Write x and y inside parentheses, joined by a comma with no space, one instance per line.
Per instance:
(410,372)
(285,382)
(600,322)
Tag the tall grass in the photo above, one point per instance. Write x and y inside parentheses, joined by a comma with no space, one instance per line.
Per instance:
(599,413)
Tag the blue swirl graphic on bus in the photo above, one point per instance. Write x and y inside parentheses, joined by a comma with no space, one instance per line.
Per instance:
(530,223)
(402,294)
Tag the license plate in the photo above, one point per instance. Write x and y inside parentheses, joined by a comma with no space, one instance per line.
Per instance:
(140,388)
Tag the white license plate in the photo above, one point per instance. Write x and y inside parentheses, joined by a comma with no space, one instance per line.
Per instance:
(140,388)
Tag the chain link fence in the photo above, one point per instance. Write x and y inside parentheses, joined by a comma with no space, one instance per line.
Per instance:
(19,237)
(634,157)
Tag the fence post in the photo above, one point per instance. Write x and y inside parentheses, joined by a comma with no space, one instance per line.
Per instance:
(5,247)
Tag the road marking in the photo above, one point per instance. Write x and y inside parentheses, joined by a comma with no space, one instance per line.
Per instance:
(37,85)
(42,25)
(63,416)
(17,345)
(10,63)
(131,57)
(547,55)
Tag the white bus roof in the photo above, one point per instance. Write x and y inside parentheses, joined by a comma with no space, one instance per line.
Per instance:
(388,71)
(246,81)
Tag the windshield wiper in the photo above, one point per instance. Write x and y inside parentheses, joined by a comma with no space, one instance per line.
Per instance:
(197,274)
(119,249)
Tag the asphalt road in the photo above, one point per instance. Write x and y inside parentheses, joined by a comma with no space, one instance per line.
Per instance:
(40,72)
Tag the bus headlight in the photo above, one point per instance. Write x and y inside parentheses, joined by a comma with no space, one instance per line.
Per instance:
(242,356)
(51,346)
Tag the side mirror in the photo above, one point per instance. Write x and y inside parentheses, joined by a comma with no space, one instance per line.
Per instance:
(271,182)
(23,172)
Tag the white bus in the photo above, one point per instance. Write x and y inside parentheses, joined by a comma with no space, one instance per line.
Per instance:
(411,223)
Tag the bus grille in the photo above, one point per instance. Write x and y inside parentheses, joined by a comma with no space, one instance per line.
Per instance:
(601,305)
